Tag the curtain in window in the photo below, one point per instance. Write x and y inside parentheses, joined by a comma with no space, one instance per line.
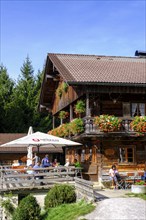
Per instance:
(142,109)
(134,109)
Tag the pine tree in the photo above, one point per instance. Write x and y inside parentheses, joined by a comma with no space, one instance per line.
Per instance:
(6,90)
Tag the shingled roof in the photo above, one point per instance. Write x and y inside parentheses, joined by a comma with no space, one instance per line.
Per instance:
(76,68)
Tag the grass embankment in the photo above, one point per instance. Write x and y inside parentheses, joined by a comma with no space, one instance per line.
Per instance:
(68,211)
(139,195)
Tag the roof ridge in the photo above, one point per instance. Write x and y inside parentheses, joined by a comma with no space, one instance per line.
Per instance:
(94,55)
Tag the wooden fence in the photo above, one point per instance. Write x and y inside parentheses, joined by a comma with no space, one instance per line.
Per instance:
(15,179)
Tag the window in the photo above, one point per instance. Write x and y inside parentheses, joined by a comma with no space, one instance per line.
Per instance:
(138,109)
(126,154)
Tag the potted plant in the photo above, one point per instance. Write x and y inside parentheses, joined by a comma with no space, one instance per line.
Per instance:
(76,126)
(80,107)
(107,123)
(65,86)
(59,92)
(138,124)
(63,115)
(139,187)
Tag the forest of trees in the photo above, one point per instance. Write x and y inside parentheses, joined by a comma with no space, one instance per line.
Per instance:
(19,101)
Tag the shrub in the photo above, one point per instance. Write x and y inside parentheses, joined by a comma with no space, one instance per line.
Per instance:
(8,206)
(60,194)
(28,209)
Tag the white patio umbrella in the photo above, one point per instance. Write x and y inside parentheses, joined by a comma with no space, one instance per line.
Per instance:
(40,139)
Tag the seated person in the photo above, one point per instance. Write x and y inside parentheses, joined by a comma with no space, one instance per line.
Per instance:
(35,159)
(76,163)
(30,170)
(67,163)
(55,163)
(144,176)
(15,163)
(45,161)
(114,175)
(32,164)
(38,165)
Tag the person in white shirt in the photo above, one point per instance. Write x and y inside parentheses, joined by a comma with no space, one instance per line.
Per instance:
(67,163)
(112,172)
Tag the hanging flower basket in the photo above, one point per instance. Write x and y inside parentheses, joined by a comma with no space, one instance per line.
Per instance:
(80,107)
(107,123)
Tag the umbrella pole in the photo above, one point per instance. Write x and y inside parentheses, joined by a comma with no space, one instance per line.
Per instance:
(38,149)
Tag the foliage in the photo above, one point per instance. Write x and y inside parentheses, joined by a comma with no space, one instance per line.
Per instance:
(64,86)
(19,102)
(59,92)
(7,204)
(108,123)
(140,182)
(6,90)
(61,131)
(139,124)
(139,195)
(74,127)
(63,114)
(28,209)
(60,194)
(80,107)
(69,211)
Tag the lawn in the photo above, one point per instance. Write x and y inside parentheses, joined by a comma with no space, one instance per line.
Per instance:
(139,195)
(68,211)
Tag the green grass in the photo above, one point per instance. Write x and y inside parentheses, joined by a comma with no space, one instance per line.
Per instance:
(139,195)
(68,211)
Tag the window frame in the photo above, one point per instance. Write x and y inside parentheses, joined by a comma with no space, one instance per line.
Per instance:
(126,154)
(138,109)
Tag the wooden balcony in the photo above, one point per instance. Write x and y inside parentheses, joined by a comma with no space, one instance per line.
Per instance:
(91,128)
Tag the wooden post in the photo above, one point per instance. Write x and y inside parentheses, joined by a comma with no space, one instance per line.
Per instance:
(71,112)
(87,105)
(53,122)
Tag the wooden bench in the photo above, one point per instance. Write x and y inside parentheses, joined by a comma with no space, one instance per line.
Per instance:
(91,174)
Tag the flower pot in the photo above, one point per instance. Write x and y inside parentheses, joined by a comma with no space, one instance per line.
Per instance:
(138,188)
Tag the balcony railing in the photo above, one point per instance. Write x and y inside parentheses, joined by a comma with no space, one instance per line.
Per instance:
(91,128)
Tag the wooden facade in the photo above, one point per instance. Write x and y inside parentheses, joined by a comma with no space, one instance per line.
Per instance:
(123,99)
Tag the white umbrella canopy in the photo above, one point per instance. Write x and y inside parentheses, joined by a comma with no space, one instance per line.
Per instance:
(40,139)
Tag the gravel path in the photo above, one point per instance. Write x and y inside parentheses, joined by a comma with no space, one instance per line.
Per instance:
(118,209)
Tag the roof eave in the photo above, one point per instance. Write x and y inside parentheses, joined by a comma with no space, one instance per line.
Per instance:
(107,83)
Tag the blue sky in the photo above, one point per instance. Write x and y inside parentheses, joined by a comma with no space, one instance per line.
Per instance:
(35,28)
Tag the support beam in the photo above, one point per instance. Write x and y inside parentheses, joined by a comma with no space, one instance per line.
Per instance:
(71,112)
(87,105)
